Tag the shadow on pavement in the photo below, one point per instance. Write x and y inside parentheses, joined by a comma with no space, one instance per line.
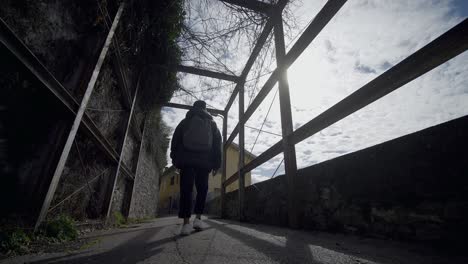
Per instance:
(135,250)
(124,231)
(292,252)
(297,248)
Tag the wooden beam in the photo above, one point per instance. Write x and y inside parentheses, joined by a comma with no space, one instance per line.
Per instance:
(267,155)
(76,123)
(439,51)
(286,125)
(319,22)
(114,179)
(232,136)
(241,176)
(254,5)
(188,107)
(30,61)
(442,49)
(224,172)
(248,66)
(255,52)
(207,73)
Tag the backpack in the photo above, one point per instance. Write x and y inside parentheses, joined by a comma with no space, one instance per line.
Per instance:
(198,134)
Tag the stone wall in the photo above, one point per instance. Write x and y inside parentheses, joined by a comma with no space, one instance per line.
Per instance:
(67,37)
(146,195)
(411,188)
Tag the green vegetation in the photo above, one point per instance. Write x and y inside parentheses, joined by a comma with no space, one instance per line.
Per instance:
(90,244)
(172,27)
(149,35)
(119,219)
(62,228)
(132,221)
(156,27)
(16,241)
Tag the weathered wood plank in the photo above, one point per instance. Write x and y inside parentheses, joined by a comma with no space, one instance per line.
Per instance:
(224,168)
(286,125)
(253,5)
(319,22)
(207,73)
(447,46)
(188,107)
(241,154)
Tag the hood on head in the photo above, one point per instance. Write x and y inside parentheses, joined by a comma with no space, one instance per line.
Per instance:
(200,112)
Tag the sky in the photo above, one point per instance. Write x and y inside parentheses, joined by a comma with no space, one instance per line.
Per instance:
(364,39)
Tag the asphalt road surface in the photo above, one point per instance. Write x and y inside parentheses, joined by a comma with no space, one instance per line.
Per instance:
(232,242)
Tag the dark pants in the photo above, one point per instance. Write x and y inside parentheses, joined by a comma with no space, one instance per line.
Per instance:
(188,176)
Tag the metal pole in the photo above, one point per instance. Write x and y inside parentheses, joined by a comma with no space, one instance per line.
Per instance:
(30,61)
(77,190)
(241,152)
(114,179)
(223,176)
(286,124)
(76,123)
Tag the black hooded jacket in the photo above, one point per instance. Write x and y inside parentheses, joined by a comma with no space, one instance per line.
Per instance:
(182,157)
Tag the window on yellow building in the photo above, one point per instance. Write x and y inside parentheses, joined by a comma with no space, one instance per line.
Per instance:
(172,180)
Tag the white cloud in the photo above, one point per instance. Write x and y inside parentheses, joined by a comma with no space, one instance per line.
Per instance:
(360,43)
(259,178)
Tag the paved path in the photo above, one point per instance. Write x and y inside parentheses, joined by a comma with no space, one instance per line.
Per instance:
(231,242)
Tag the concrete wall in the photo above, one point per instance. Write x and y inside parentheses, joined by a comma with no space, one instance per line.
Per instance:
(412,188)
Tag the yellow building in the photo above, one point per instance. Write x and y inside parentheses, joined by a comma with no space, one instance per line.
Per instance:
(214,183)
(169,191)
(169,181)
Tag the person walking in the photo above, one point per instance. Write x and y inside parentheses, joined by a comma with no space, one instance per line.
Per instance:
(195,151)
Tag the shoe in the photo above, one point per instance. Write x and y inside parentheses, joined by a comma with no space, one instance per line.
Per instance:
(199,224)
(185,230)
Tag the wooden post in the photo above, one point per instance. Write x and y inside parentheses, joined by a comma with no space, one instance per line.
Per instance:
(286,124)
(241,152)
(223,175)
(76,123)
